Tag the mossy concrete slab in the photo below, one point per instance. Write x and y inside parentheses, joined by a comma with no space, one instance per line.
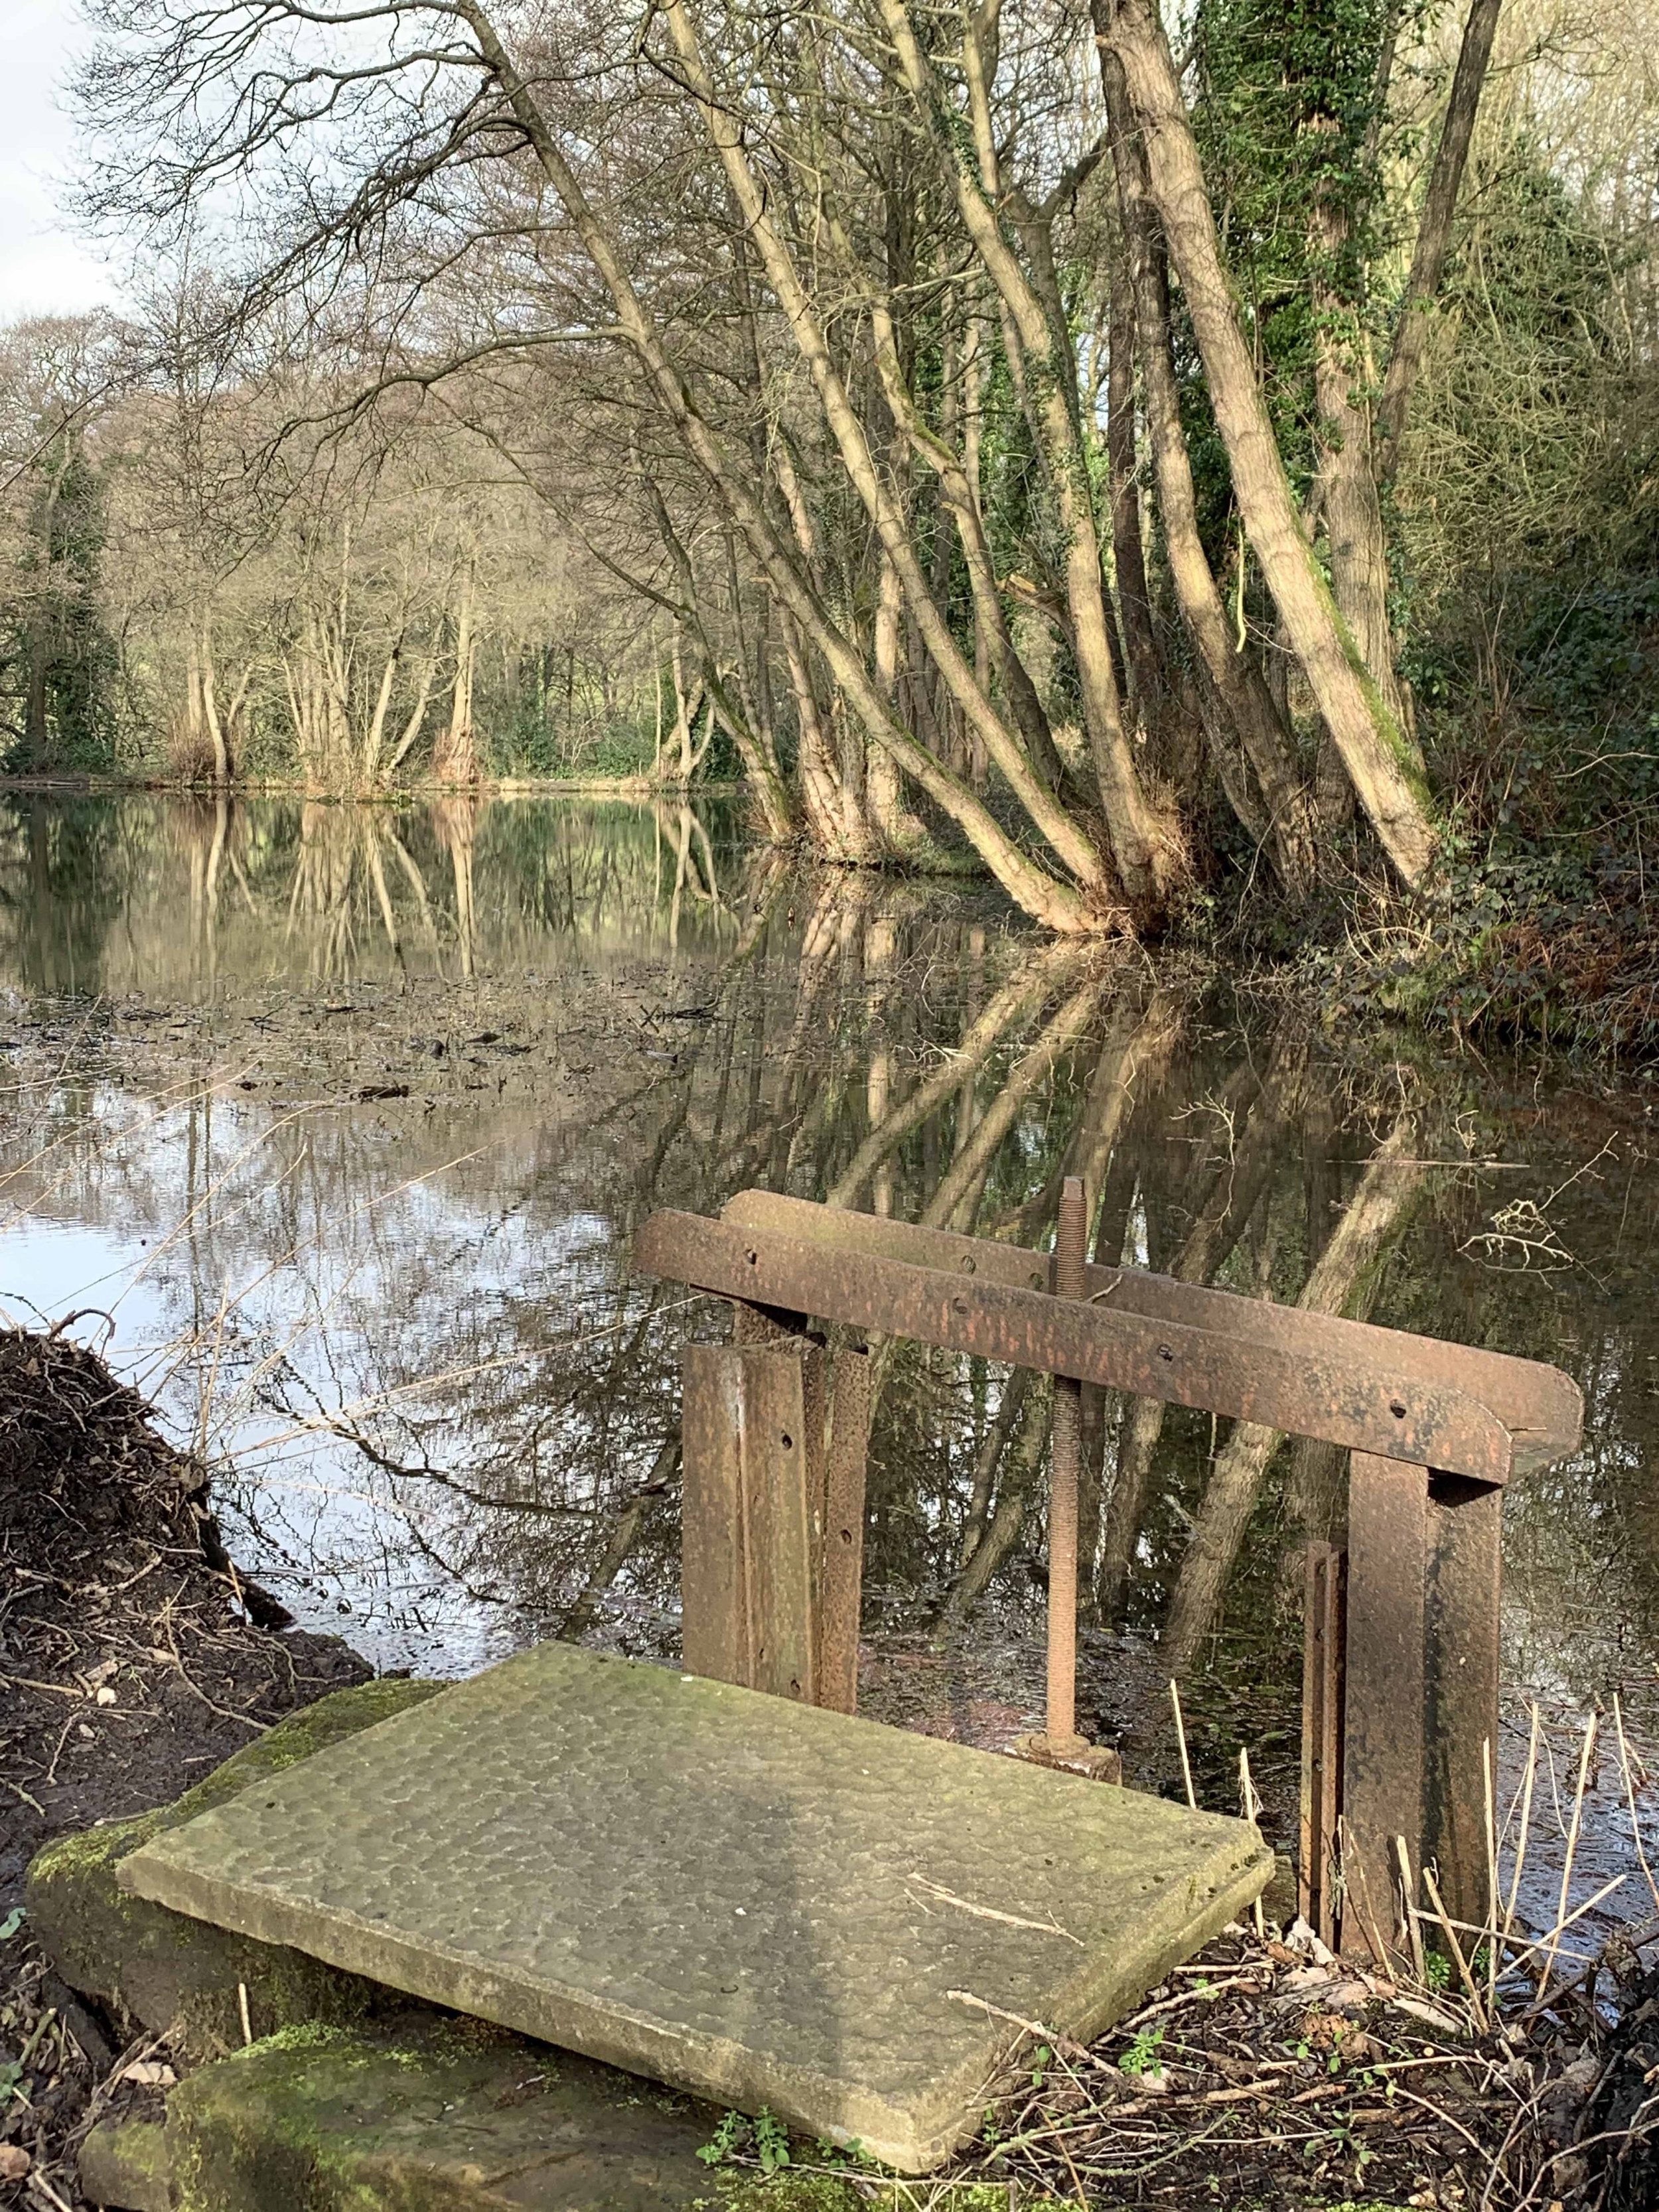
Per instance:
(426,2114)
(760,1902)
(179,1976)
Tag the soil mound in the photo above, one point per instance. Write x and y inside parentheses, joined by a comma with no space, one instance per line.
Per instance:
(81,1465)
(133,1661)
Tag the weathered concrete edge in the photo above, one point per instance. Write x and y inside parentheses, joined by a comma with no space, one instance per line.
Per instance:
(163,1970)
(914,2139)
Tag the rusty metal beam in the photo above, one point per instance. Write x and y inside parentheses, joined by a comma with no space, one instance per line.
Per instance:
(1462,1593)
(1385,1710)
(1541,1408)
(1365,1405)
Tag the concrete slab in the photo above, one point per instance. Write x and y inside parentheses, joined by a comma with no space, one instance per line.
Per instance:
(761,1902)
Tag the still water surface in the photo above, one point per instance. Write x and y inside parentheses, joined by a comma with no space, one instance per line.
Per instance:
(341,1120)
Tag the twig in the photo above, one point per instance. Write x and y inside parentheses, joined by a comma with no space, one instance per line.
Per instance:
(1414,1934)
(990,1912)
(1181,1738)
(1049,2035)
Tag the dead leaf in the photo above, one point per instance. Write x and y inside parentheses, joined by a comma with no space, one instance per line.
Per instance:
(149,2074)
(106,1695)
(14,2162)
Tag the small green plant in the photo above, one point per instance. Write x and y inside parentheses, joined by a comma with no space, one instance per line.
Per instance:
(771,2142)
(727,2142)
(1041,2059)
(11,1924)
(1437,1970)
(1143,2054)
(844,2155)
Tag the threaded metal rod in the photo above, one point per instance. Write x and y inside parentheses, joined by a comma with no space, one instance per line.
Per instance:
(1070,1252)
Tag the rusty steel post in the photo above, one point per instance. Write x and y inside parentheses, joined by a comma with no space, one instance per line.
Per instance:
(1463,1588)
(1323,1639)
(1070,1243)
(751,1446)
(841,1571)
(1424,1576)
(1384,1706)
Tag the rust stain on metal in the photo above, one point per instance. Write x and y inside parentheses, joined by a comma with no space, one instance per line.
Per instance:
(1325,1392)
(1323,1645)
(1066,1455)
(1540,1408)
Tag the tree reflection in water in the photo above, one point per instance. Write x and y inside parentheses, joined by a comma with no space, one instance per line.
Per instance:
(839,1036)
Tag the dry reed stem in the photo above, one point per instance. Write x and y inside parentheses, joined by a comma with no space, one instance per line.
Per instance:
(1573,1850)
(1180,1739)
(1491,1807)
(1463,1967)
(1413,1933)
(1630,1797)
(1526,1824)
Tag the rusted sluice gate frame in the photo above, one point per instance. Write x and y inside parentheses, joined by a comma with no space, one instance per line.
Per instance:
(1401,1667)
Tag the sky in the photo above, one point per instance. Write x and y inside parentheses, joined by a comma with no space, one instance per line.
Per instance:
(44,269)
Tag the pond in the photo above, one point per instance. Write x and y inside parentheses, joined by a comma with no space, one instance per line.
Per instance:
(335,1122)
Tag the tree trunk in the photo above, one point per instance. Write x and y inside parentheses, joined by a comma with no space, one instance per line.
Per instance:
(1434,231)
(1374,751)
(455,756)
(1067,839)
(1146,847)
(1054,904)
(890,823)
(1346,487)
(1128,558)
(217,737)
(1239,690)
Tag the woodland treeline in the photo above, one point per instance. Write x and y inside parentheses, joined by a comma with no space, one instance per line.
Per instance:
(1137,457)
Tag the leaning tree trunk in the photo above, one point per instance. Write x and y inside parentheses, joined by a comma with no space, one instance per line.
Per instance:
(1055,904)
(1146,847)
(218,736)
(1374,749)
(1240,692)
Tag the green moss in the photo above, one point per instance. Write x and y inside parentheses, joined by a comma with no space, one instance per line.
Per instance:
(793,2193)
(298,2035)
(427,2114)
(181,1976)
(332,1720)
(128,2162)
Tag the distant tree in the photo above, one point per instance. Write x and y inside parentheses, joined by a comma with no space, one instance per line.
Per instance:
(58,662)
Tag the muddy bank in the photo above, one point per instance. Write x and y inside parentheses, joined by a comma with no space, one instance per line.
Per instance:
(133,1661)
(576,1043)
